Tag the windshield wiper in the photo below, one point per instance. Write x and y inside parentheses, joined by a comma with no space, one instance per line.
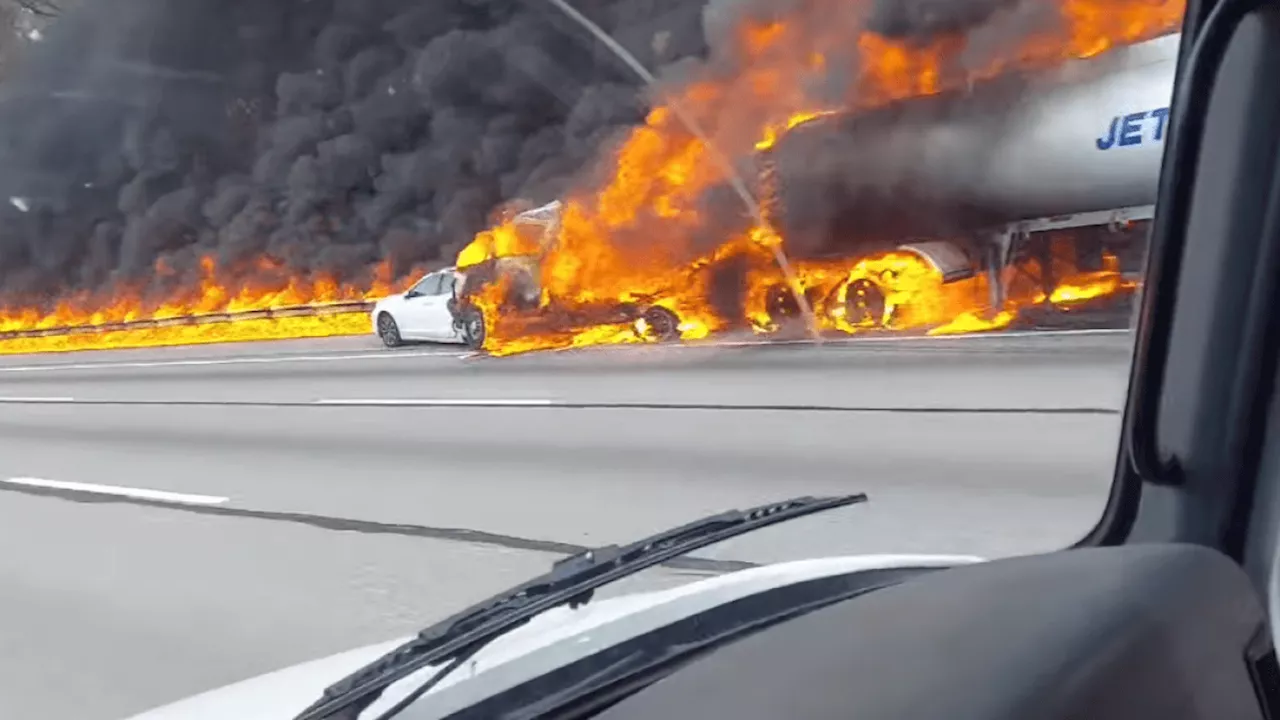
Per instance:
(571,581)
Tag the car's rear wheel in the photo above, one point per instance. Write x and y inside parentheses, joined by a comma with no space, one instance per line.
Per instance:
(472,329)
(388,331)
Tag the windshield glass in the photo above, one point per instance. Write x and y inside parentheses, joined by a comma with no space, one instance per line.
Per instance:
(716,254)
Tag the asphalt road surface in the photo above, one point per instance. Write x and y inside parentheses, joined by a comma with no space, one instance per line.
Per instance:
(181,518)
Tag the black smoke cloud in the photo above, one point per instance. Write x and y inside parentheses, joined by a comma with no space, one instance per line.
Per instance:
(325,133)
(141,135)
(922,18)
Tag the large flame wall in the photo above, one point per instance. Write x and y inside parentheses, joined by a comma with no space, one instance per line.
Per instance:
(275,153)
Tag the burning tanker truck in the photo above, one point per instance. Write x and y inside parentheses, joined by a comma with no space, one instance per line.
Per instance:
(1025,195)
(1029,192)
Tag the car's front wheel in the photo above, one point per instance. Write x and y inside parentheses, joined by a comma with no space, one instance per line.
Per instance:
(471,326)
(388,331)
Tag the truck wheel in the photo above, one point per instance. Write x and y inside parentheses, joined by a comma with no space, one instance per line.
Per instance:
(664,325)
(472,329)
(388,331)
(864,303)
(780,302)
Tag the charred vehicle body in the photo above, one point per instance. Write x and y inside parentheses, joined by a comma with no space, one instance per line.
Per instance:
(503,285)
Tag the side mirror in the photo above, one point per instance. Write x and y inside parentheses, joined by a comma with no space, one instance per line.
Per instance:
(412,294)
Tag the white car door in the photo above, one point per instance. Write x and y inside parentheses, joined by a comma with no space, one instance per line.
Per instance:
(416,317)
(437,318)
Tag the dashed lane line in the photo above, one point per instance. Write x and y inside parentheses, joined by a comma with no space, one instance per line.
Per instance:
(209,505)
(165,496)
(547,403)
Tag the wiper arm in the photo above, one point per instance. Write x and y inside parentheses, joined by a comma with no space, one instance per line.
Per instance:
(572,581)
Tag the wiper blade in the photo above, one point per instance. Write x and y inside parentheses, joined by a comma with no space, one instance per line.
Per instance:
(571,581)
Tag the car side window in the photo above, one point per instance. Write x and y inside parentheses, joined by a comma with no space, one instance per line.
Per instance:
(447,283)
(429,285)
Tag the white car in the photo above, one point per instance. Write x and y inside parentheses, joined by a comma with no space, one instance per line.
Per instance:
(423,313)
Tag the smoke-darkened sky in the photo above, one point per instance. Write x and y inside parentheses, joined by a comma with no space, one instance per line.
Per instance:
(325,133)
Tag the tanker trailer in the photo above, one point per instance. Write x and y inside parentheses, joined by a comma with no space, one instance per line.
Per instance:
(974,181)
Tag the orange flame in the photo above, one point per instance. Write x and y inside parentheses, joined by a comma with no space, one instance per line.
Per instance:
(643,237)
(245,330)
(262,284)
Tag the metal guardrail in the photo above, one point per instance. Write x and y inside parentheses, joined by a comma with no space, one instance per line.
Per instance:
(1029,320)
(203,319)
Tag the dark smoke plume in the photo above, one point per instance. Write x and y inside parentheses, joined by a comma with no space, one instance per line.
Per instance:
(916,18)
(141,135)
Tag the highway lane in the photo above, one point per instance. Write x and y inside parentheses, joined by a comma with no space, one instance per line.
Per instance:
(111,609)
(592,476)
(333,526)
(1091,341)
(1080,372)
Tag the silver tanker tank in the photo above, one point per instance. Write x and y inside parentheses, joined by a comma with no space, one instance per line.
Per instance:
(1086,136)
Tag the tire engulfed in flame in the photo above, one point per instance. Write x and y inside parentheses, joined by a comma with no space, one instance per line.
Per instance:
(644,238)
(634,240)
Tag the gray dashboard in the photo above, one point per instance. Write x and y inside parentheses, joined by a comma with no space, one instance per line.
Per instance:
(1173,632)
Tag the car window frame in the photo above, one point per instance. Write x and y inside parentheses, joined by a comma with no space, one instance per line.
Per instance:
(448,283)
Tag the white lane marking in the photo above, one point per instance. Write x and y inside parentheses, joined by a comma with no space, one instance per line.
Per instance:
(140,493)
(372,355)
(842,341)
(440,402)
(37,400)
(1016,334)
(382,355)
(1021,334)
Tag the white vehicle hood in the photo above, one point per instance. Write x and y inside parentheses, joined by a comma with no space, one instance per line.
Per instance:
(550,640)
(388,302)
